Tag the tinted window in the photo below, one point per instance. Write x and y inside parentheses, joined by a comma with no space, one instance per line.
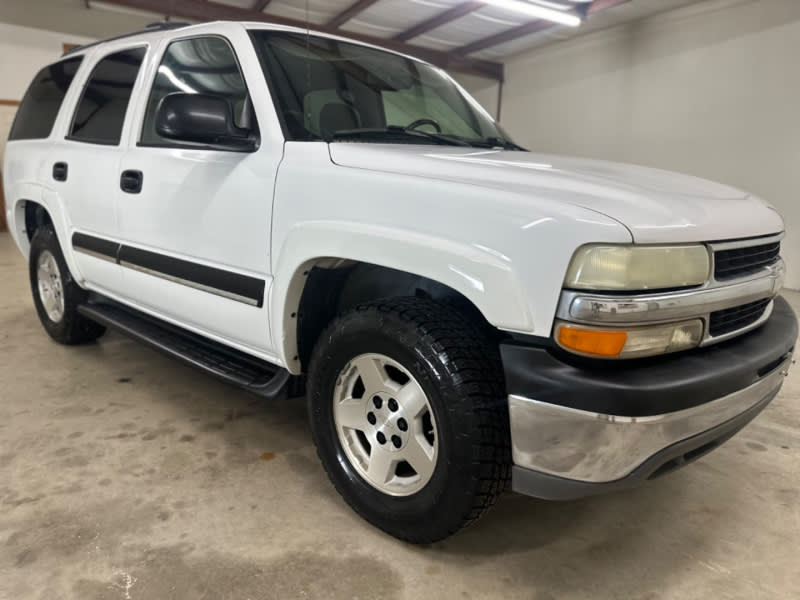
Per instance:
(39,108)
(101,112)
(198,66)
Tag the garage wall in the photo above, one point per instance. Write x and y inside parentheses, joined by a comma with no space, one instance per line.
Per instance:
(712,89)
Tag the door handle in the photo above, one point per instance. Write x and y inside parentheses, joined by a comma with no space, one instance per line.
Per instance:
(60,171)
(131,181)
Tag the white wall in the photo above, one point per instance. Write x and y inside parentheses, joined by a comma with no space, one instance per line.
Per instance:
(712,89)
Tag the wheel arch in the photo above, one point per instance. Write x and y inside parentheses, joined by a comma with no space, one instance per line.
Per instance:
(33,210)
(326,268)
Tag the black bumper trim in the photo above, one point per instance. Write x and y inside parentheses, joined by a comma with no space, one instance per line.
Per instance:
(653,386)
(551,487)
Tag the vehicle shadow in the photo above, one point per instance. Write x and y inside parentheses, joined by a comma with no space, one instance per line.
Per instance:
(652,532)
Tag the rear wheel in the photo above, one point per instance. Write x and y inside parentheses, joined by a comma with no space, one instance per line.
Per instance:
(55,293)
(408,413)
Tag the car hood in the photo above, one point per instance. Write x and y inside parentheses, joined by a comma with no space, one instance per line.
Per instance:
(656,206)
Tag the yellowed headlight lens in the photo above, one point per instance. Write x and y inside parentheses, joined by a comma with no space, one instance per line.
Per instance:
(601,267)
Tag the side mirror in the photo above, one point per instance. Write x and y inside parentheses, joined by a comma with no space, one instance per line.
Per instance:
(202,119)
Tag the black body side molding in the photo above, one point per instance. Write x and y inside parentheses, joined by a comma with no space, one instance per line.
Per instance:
(97,247)
(234,286)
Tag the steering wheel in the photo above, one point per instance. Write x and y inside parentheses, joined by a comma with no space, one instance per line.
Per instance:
(421,122)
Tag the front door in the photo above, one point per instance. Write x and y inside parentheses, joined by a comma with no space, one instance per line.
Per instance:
(195,222)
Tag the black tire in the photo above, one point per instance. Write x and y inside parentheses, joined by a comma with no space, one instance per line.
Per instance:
(72,328)
(459,369)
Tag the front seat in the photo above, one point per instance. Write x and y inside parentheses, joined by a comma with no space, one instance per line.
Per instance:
(337,116)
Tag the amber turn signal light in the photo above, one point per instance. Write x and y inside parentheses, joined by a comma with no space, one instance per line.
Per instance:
(590,341)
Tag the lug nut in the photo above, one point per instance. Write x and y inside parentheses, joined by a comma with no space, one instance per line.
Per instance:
(402,424)
(393,405)
(377,401)
(381,438)
(396,441)
(371,418)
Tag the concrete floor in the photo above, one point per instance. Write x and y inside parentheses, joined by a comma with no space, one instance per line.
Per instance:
(124,474)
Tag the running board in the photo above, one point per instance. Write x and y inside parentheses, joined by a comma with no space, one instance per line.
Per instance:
(230,365)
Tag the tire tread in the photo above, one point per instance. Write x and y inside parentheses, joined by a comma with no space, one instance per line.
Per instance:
(471,357)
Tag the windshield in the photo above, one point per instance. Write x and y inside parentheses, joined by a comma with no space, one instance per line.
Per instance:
(327,89)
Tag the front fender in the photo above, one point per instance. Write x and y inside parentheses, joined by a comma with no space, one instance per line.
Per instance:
(475,273)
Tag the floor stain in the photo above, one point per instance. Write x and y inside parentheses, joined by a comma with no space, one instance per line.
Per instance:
(208,427)
(172,573)
(153,434)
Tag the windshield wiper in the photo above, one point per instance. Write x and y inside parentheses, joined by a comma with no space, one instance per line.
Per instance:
(496,142)
(394,130)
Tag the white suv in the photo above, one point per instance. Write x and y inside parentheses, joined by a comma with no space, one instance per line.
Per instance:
(280,207)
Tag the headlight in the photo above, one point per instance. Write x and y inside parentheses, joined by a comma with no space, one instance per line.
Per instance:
(599,267)
(632,342)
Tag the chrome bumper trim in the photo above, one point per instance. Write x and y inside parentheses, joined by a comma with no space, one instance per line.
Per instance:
(598,448)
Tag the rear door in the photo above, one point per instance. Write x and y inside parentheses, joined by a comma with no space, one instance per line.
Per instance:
(196,234)
(86,164)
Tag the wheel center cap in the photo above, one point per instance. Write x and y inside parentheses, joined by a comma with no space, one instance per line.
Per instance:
(387,423)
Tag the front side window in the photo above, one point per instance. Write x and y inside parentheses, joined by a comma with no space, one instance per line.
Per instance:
(39,107)
(328,89)
(101,111)
(205,65)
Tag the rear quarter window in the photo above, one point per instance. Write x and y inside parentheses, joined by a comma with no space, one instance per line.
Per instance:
(39,108)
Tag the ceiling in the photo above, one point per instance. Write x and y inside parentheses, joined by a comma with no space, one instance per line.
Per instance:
(464,36)
(388,18)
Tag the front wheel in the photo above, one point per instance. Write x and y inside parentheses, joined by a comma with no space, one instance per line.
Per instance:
(408,413)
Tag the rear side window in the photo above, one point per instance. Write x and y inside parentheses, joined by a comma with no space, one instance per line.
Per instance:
(203,65)
(39,107)
(101,111)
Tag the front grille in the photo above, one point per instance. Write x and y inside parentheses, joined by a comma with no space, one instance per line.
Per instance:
(738,317)
(738,262)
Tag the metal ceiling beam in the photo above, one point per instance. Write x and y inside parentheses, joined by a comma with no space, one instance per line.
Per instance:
(214,11)
(528,29)
(451,14)
(260,5)
(348,13)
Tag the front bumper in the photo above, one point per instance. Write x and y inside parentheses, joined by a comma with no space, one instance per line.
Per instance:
(582,429)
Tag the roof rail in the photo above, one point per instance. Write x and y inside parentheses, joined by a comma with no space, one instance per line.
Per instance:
(159,26)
